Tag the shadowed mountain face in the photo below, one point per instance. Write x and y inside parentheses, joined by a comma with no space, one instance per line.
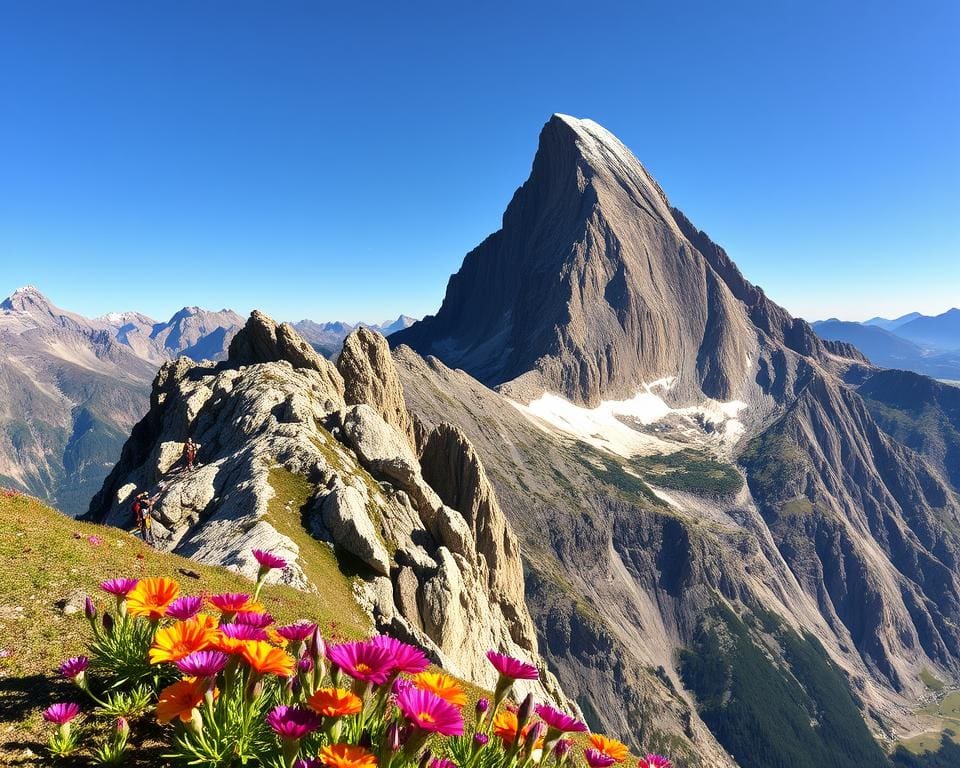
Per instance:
(596,290)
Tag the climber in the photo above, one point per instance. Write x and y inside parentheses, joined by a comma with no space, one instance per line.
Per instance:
(189,452)
(140,504)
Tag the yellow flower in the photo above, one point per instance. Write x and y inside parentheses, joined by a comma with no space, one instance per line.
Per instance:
(442,685)
(335,702)
(180,640)
(179,700)
(151,597)
(266,659)
(346,756)
(610,747)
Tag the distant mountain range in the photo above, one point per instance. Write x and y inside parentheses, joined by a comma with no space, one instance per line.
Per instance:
(72,387)
(914,342)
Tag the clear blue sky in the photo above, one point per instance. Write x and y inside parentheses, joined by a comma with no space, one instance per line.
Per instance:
(329,163)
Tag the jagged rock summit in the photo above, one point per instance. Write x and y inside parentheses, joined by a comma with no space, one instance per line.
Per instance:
(595,286)
(276,415)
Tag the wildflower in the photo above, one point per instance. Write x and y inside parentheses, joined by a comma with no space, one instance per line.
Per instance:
(442,685)
(506,724)
(74,669)
(90,610)
(232,602)
(335,702)
(268,561)
(614,749)
(481,739)
(243,632)
(184,608)
(253,619)
(654,761)
(296,633)
(179,640)
(308,762)
(597,759)
(61,713)
(305,665)
(179,700)
(265,659)
(405,657)
(293,722)
(483,704)
(203,663)
(559,722)
(119,587)
(428,712)
(512,668)
(346,756)
(363,660)
(151,597)
(442,762)
(94,540)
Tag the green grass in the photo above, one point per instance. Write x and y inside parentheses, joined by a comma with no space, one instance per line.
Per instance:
(46,556)
(930,680)
(689,470)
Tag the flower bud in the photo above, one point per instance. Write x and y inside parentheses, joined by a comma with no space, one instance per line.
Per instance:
(480,739)
(123,727)
(305,665)
(90,610)
(107,622)
(482,706)
(425,758)
(561,748)
(393,737)
(523,715)
(532,737)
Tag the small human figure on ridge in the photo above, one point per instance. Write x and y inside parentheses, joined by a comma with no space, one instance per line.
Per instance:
(189,452)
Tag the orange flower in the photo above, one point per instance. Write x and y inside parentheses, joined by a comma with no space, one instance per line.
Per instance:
(276,638)
(180,639)
(266,659)
(346,756)
(335,702)
(151,597)
(505,726)
(442,685)
(179,700)
(610,747)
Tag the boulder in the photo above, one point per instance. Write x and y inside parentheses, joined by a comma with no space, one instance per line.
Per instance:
(343,513)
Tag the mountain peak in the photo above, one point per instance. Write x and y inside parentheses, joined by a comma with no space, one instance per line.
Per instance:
(24,299)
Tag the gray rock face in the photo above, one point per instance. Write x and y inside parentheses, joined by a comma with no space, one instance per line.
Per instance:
(271,411)
(366,366)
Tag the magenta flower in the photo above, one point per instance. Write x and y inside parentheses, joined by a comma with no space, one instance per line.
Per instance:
(254,619)
(406,658)
(243,632)
(483,704)
(654,761)
(268,561)
(512,668)
(61,713)
(430,713)
(293,722)
(362,660)
(308,762)
(184,608)
(442,762)
(230,602)
(203,663)
(119,587)
(481,739)
(296,633)
(75,667)
(94,540)
(305,665)
(559,721)
(597,759)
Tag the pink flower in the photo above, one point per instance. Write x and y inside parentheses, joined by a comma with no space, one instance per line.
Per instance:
(654,761)
(243,632)
(94,540)
(253,619)
(296,633)
(184,608)
(442,762)
(428,712)
(362,660)
(61,713)
(559,721)
(230,602)
(119,587)
(293,722)
(597,759)
(406,658)
(203,663)
(75,667)
(512,668)
(268,561)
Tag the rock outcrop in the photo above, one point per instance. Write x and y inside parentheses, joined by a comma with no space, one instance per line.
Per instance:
(274,411)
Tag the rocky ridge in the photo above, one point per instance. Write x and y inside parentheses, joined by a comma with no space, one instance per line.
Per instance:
(425,566)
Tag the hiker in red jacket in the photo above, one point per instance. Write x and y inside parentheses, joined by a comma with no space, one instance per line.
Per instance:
(189,452)
(141,510)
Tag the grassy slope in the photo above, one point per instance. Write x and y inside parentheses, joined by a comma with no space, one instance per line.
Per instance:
(46,557)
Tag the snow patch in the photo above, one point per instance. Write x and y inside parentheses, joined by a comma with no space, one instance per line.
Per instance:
(614,424)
